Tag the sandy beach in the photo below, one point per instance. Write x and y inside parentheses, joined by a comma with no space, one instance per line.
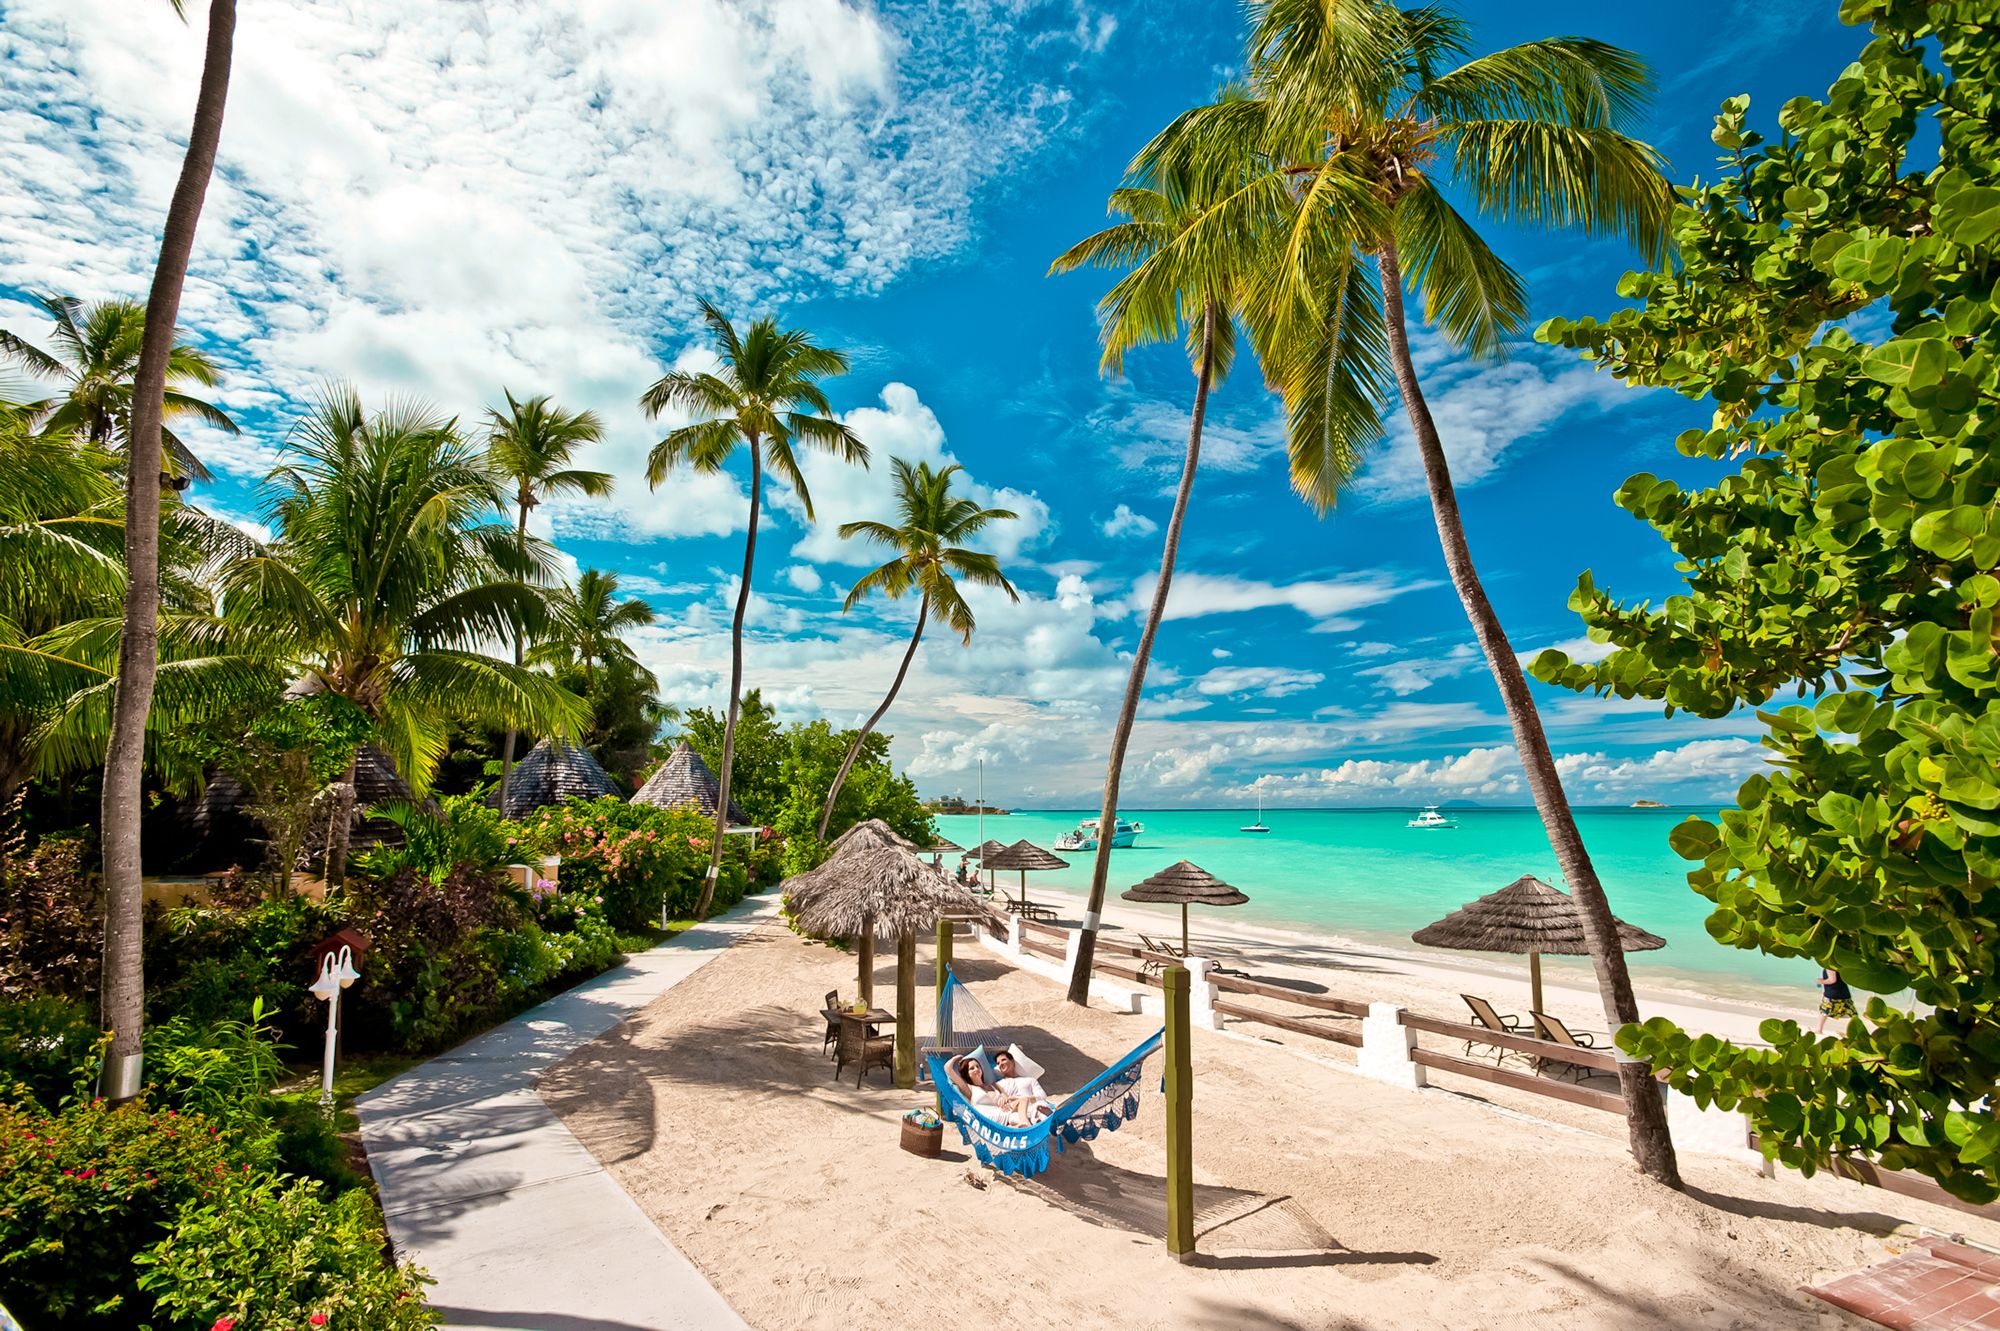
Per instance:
(1326,1200)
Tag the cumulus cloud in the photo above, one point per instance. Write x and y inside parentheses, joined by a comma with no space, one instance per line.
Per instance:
(1194,595)
(1576,649)
(804,578)
(1417,674)
(1124,522)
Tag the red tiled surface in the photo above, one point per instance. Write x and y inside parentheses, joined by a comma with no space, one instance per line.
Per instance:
(1936,1286)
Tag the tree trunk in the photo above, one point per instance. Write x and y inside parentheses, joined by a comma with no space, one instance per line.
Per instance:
(1135,683)
(735,688)
(854,749)
(138,646)
(340,829)
(1645,1111)
(520,652)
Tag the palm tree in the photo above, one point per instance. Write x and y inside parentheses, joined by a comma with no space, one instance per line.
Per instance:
(587,629)
(530,444)
(96,360)
(385,579)
(929,559)
(754,397)
(1364,96)
(138,644)
(1191,256)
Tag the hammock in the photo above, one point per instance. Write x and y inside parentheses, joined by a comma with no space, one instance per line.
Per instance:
(1104,1104)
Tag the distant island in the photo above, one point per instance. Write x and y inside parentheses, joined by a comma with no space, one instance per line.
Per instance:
(1647,804)
(954,805)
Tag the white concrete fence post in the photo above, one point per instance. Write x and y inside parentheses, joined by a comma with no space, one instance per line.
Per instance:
(1712,1131)
(1014,935)
(1386,1044)
(1201,994)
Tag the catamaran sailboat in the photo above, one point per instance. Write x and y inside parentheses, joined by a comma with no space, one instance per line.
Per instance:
(1123,834)
(1257,826)
(1430,817)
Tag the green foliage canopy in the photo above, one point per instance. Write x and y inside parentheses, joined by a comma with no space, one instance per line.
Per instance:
(1836,303)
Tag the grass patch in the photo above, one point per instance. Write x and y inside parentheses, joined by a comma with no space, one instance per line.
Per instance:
(651,936)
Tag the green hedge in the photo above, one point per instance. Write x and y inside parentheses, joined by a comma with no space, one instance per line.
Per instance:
(636,857)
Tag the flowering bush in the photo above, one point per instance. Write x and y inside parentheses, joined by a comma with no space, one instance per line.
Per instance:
(634,856)
(129,1216)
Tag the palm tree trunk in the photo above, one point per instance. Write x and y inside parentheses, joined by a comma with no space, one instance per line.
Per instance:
(854,749)
(340,828)
(520,652)
(1645,1111)
(1135,683)
(735,688)
(138,646)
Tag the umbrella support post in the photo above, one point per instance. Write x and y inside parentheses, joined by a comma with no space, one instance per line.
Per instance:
(906,1012)
(1535,985)
(1180,1117)
(943,969)
(864,978)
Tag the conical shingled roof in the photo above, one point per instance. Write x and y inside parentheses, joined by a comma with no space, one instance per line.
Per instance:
(1185,884)
(1022,854)
(1525,916)
(684,781)
(552,772)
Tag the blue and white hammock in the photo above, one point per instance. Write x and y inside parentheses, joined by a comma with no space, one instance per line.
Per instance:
(1104,1104)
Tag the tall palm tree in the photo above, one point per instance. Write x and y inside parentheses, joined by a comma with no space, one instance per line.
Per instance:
(1363,95)
(96,360)
(928,559)
(386,579)
(138,644)
(765,394)
(1192,258)
(588,626)
(530,444)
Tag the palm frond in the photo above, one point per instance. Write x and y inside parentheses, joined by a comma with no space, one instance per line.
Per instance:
(1468,292)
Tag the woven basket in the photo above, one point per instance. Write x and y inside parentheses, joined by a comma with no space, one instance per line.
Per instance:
(918,1140)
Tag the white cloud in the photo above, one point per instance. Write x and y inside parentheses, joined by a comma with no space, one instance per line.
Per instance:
(1581,650)
(1711,761)
(1124,522)
(1256,681)
(804,578)
(1413,676)
(1197,594)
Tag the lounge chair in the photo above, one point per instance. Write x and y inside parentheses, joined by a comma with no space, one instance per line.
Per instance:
(1162,953)
(1501,1023)
(1552,1029)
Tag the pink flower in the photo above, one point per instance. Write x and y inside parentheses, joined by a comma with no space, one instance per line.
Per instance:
(224,1324)
(317,1319)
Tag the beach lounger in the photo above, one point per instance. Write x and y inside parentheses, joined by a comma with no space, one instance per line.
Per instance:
(1552,1029)
(1162,953)
(1504,1023)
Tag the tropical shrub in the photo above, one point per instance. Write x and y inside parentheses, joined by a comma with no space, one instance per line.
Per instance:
(463,832)
(44,1042)
(125,1217)
(51,919)
(217,1069)
(1835,303)
(208,964)
(636,857)
(431,971)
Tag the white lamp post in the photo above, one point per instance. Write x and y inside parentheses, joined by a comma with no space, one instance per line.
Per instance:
(336,972)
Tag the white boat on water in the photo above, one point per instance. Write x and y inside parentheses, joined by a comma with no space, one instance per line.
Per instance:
(1257,826)
(1123,834)
(1430,817)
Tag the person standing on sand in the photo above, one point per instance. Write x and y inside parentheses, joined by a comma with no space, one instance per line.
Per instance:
(1835,999)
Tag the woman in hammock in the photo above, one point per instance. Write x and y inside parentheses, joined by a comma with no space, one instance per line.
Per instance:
(1017,1111)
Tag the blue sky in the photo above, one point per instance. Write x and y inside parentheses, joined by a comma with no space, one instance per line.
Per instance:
(445,200)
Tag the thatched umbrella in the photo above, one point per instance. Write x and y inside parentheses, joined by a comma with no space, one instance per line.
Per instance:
(552,772)
(684,781)
(944,845)
(979,853)
(1023,855)
(1186,885)
(1527,916)
(870,892)
(870,833)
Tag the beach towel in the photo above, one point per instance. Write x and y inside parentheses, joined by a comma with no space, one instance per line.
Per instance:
(1105,1103)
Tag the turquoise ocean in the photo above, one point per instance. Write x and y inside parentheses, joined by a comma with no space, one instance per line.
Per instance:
(1366,875)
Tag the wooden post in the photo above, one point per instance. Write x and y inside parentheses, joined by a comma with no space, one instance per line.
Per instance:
(1535,985)
(864,978)
(1180,1117)
(906,1012)
(943,965)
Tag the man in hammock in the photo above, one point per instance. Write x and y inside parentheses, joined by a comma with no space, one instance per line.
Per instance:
(1017,1111)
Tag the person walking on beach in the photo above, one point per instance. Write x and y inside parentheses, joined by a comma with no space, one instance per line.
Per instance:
(1835,1000)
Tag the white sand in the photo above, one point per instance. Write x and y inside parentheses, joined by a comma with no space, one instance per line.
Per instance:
(1327,1200)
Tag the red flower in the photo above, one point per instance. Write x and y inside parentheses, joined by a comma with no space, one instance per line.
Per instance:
(224,1324)
(317,1319)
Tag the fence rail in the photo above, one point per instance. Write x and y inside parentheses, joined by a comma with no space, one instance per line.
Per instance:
(1337,1034)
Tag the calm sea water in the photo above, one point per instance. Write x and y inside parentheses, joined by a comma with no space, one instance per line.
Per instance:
(1365,874)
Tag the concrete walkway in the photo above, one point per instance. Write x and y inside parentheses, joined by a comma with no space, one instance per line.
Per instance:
(484,1187)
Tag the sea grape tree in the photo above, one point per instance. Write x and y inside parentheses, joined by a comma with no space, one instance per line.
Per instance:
(1835,299)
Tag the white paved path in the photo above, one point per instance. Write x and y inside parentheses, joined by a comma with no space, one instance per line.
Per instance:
(485,1187)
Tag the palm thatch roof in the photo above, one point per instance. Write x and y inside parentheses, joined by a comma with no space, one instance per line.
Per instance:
(1022,854)
(1185,884)
(552,772)
(943,845)
(870,833)
(987,848)
(228,834)
(879,891)
(1525,916)
(684,781)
